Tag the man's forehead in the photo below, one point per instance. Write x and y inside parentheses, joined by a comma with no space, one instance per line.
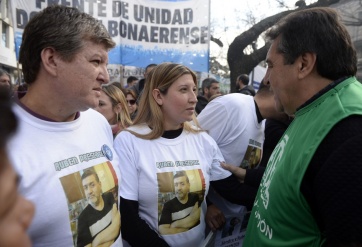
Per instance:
(89,179)
(92,49)
(273,47)
(273,55)
(183,178)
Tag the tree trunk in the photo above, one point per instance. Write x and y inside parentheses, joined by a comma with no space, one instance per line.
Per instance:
(241,63)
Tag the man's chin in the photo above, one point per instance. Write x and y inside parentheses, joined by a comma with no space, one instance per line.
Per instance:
(180,198)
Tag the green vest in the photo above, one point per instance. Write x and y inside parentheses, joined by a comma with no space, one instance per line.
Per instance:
(281,216)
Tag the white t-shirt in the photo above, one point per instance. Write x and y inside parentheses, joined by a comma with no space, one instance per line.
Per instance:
(148,167)
(50,158)
(232,122)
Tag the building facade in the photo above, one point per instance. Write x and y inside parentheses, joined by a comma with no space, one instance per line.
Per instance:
(8,60)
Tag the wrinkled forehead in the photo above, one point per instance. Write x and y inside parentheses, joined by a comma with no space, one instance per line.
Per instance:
(273,53)
(4,77)
(89,179)
(180,179)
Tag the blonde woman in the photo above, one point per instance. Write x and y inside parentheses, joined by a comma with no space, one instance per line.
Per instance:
(113,106)
(168,164)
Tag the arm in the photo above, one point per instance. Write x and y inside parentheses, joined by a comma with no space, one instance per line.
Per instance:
(168,227)
(332,184)
(238,172)
(190,220)
(342,226)
(232,190)
(248,176)
(133,226)
(112,231)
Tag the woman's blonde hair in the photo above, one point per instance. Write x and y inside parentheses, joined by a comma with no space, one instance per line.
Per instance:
(117,97)
(161,77)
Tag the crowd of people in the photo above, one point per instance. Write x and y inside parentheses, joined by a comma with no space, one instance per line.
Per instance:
(89,162)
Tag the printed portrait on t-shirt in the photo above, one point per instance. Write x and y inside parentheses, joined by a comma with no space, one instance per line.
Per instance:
(179,200)
(252,157)
(92,196)
(231,227)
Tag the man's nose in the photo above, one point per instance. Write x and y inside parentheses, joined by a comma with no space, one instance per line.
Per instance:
(103,75)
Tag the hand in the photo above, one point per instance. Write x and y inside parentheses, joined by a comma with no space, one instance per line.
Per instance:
(214,218)
(237,171)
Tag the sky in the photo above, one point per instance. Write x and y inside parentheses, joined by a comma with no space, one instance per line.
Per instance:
(228,19)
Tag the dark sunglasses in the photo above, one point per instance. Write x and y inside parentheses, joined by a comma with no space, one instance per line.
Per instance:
(132,101)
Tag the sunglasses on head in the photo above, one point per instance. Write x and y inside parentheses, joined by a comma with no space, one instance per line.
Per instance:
(131,102)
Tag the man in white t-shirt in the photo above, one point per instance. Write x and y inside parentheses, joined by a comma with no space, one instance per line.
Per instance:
(64,56)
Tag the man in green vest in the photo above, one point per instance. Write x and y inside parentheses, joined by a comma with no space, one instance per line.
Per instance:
(311,191)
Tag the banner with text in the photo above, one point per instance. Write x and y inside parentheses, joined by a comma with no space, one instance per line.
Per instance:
(145,31)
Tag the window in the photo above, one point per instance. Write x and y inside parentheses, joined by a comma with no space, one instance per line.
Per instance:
(4,8)
(5,35)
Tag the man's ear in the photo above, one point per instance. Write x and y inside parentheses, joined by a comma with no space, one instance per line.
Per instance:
(157,96)
(306,64)
(49,60)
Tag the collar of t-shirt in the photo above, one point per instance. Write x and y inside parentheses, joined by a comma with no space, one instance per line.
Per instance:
(172,134)
(17,101)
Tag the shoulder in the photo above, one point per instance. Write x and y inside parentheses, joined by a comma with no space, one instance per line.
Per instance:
(95,120)
(204,137)
(170,202)
(85,213)
(201,102)
(346,129)
(91,113)
(245,91)
(201,98)
(108,197)
(93,117)
(128,139)
(139,129)
(193,196)
(227,103)
(230,99)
